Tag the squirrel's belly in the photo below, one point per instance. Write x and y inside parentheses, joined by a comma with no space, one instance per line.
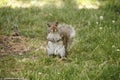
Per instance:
(55,48)
(59,49)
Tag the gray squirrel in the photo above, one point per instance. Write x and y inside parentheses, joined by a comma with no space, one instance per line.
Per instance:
(59,37)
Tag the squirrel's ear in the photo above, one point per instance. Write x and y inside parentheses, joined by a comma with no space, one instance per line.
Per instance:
(56,23)
(48,24)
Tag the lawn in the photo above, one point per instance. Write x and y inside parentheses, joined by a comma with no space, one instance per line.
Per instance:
(94,54)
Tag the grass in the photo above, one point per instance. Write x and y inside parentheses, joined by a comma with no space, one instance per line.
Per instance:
(95,53)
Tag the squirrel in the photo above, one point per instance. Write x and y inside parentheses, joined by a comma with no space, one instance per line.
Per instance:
(59,37)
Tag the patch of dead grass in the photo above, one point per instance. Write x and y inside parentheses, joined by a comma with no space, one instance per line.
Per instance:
(13,45)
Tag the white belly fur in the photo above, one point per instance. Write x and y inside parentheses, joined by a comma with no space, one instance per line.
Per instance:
(56,48)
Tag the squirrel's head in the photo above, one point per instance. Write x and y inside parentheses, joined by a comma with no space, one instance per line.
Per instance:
(52,27)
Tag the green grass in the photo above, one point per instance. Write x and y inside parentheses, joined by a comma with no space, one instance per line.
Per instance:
(95,53)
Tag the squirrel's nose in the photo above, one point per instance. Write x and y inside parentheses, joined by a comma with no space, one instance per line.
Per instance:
(53,29)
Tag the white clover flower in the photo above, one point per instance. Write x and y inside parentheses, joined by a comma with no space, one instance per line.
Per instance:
(118,50)
(58,73)
(100,28)
(96,22)
(101,17)
(113,46)
(113,21)
(39,73)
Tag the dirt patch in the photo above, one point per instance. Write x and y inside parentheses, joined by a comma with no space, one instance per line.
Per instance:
(13,45)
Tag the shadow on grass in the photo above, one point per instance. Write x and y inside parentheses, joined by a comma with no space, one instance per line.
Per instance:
(31,21)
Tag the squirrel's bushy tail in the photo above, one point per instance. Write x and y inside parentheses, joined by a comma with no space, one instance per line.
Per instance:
(68,33)
(72,34)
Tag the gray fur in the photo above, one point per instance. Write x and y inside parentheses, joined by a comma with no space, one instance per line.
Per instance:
(58,41)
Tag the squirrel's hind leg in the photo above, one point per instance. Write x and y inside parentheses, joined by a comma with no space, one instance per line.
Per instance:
(62,53)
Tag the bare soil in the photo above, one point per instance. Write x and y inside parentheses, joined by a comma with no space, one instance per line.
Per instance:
(13,45)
